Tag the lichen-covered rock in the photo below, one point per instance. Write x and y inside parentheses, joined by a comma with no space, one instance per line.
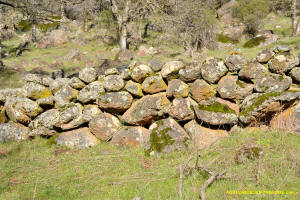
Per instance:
(262,104)
(264,56)
(235,62)
(76,83)
(88,74)
(80,138)
(181,109)
(230,87)
(111,71)
(13,132)
(6,93)
(154,84)
(190,73)
(125,73)
(115,102)
(283,63)
(253,70)
(46,81)
(134,88)
(44,123)
(295,74)
(140,72)
(35,78)
(230,104)
(281,49)
(46,103)
(104,126)
(203,137)
(170,69)
(166,135)
(273,83)
(22,110)
(36,91)
(113,83)
(3,118)
(70,116)
(65,95)
(156,65)
(147,109)
(90,112)
(201,90)
(288,120)
(213,69)
(132,136)
(91,92)
(57,84)
(177,88)
(215,113)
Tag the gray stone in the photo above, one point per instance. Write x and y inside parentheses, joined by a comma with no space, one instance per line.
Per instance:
(154,84)
(91,92)
(76,83)
(181,109)
(295,74)
(283,63)
(253,70)
(177,88)
(190,73)
(134,88)
(115,102)
(213,70)
(273,83)
(201,90)
(6,93)
(235,62)
(36,91)
(264,56)
(13,132)
(70,116)
(90,112)
(88,74)
(113,83)
(132,136)
(65,95)
(170,69)
(140,72)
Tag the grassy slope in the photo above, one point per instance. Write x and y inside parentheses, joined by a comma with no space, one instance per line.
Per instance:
(37,170)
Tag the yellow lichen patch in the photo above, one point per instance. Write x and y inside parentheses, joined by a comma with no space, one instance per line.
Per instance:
(3,118)
(45,93)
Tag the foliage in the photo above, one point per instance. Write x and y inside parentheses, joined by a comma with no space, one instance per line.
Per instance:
(283,7)
(225,39)
(254,42)
(251,13)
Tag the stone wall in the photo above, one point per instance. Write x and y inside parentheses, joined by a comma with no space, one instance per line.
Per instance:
(161,107)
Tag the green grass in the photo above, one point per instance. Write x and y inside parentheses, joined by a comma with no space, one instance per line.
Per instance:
(37,170)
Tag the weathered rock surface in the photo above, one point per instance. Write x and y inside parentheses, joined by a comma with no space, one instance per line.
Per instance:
(235,62)
(134,88)
(65,95)
(3,118)
(147,109)
(190,73)
(115,102)
(46,103)
(230,87)
(140,72)
(36,91)
(57,84)
(91,92)
(154,84)
(22,110)
(88,74)
(273,83)
(6,93)
(76,83)
(166,135)
(283,63)
(104,126)
(177,88)
(264,56)
(181,109)
(170,69)
(215,113)
(295,74)
(90,112)
(113,83)
(80,138)
(13,132)
(70,116)
(201,90)
(213,70)
(131,136)
(156,65)
(253,70)
(203,137)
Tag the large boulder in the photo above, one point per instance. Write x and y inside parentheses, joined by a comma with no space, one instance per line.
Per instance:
(177,88)
(170,69)
(181,109)
(132,136)
(113,83)
(22,110)
(88,74)
(7,93)
(91,92)
(36,91)
(190,72)
(104,126)
(253,70)
(201,90)
(154,84)
(213,70)
(166,135)
(273,83)
(257,106)
(283,63)
(140,72)
(203,137)
(44,124)
(13,132)
(235,62)
(295,74)
(288,120)
(65,95)
(147,109)
(264,56)
(70,116)
(215,113)
(134,88)
(230,87)
(80,138)
(115,102)
(53,39)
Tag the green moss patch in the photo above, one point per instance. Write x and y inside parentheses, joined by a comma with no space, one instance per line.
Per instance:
(216,107)
(225,39)
(254,42)
(24,25)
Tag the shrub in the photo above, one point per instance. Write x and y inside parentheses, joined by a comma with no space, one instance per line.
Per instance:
(225,39)
(254,42)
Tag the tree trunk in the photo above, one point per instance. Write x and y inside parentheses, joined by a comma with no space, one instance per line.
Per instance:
(123,37)
(62,10)
(85,21)
(294,17)
(33,32)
